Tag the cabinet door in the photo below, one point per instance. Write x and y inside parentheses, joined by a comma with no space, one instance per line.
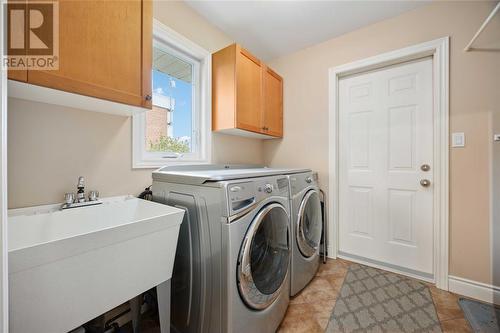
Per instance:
(21,7)
(100,51)
(147,54)
(248,91)
(273,103)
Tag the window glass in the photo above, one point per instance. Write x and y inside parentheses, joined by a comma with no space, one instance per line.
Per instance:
(269,252)
(176,130)
(309,236)
(169,125)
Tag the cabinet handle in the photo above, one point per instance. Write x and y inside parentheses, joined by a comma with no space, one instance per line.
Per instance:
(148,98)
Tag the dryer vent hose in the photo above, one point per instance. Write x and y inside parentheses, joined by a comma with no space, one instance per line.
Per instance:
(324,251)
(147,194)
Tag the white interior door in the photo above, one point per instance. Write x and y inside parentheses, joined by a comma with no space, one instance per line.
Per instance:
(385,144)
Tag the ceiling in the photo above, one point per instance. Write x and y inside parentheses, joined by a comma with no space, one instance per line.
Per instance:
(271,29)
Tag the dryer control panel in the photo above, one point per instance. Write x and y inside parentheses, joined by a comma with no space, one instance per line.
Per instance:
(302,180)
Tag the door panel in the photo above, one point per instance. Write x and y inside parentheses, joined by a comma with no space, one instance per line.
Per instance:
(401,138)
(360,139)
(385,135)
(248,91)
(273,103)
(360,214)
(401,216)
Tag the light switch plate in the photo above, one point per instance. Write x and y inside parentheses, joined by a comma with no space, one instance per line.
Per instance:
(458,139)
(496,137)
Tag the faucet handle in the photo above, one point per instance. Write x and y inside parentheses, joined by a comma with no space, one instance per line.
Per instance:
(81,182)
(69,198)
(93,195)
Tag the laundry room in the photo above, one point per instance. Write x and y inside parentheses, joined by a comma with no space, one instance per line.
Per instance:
(249,166)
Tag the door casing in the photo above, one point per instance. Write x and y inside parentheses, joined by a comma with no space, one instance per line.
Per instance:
(439,50)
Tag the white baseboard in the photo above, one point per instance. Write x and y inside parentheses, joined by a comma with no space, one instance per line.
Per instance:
(473,289)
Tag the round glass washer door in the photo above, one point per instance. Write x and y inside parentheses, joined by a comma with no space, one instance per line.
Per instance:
(264,257)
(309,224)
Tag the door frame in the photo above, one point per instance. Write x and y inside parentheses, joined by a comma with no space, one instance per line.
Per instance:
(439,50)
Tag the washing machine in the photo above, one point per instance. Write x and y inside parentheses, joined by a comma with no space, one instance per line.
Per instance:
(232,265)
(306,226)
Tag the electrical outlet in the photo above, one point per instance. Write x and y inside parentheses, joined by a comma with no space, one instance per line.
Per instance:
(458,140)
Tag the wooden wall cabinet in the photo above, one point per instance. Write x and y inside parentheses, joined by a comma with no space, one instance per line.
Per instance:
(18,75)
(247,96)
(273,103)
(105,51)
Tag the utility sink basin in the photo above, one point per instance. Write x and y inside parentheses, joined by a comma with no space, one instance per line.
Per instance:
(67,267)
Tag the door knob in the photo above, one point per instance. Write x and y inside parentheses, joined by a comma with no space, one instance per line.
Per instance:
(425,182)
(425,167)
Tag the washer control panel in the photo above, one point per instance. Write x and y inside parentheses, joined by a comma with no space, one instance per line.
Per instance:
(242,195)
(272,186)
(268,188)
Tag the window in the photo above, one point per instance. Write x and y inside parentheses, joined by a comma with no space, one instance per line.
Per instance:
(177,129)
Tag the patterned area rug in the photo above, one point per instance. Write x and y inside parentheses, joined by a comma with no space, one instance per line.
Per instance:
(482,317)
(372,300)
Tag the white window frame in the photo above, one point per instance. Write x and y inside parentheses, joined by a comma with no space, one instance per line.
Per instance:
(184,49)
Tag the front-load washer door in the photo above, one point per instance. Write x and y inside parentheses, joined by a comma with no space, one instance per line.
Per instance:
(264,257)
(309,224)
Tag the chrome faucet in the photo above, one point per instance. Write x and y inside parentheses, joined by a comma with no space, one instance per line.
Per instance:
(72,201)
(80,195)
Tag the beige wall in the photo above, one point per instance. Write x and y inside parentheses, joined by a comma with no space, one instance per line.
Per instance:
(50,146)
(474,96)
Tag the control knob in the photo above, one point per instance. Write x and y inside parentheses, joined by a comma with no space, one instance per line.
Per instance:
(268,188)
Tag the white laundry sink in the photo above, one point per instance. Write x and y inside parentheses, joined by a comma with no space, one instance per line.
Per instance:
(69,266)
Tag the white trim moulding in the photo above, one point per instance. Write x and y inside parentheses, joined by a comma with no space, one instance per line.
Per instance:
(483,26)
(474,289)
(439,50)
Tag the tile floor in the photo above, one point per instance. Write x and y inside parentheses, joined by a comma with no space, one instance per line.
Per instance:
(310,310)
